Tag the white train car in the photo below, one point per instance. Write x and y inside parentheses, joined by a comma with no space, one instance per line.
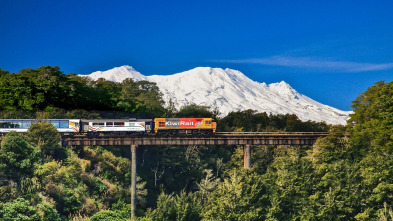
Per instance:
(117,126)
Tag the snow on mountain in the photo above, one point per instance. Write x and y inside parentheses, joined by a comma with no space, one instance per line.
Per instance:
(118,74)
(230,90)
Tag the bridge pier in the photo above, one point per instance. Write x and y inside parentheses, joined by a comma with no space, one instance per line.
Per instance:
(133,181)
(247,156)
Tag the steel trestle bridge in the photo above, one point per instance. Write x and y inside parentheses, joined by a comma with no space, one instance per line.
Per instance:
(247,139)
(220,138)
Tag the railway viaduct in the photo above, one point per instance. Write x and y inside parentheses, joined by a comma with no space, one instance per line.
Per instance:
(247,139)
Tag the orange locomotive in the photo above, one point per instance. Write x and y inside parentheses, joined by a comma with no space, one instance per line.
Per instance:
(184,126)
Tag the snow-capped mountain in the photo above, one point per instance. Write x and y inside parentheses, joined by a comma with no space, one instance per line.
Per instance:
(118,74)
(230,90)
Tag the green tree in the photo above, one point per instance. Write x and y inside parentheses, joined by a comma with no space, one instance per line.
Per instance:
(141,97)
(182,207)
(250,120)
(14,93)
(107,215)
(207,186)
(19,209)
(170,109)
(289,180)
(22,210)
(150,98)
(239,197)
(106,94)
(82,93)
(17,157)
(44,136)
(371,123)
(3,72)
(371,147)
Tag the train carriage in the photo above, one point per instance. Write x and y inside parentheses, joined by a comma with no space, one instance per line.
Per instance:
(117,126)
(64,126)
(184,126)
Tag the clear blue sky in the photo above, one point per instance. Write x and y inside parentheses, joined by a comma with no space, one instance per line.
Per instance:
(328,50)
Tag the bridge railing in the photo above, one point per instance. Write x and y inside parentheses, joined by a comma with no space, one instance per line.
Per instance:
(272,133)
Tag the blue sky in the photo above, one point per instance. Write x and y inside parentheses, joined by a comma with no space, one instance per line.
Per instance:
(328,50)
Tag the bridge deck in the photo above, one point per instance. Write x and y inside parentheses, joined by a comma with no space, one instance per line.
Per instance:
(227,138)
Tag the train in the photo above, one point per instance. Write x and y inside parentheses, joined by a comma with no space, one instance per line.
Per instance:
(131,126)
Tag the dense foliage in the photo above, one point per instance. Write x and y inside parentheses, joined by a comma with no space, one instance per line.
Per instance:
(47,88)
(347,175)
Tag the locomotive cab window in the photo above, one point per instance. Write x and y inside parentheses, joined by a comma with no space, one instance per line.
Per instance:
(161,124)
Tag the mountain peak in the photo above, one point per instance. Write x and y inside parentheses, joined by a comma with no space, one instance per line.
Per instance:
(128,67)
(118,74)
(283,88)
(282,84)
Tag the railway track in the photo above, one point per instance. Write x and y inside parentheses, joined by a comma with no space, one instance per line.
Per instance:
(270,133)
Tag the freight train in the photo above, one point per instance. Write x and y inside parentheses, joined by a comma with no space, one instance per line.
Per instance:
(132,126)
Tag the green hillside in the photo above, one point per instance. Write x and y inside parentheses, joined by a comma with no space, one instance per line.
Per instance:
(347,175)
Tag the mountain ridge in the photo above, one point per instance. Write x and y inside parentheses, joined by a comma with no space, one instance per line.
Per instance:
(230,90)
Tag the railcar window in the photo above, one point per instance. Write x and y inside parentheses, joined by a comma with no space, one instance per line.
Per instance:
(64,124)
(16,124)
(161,124)
(5,125)
(119,124)
(55,123)
(98,124)
(26,124)
(109,124)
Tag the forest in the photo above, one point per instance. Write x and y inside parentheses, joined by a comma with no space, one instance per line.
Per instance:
(347,175)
